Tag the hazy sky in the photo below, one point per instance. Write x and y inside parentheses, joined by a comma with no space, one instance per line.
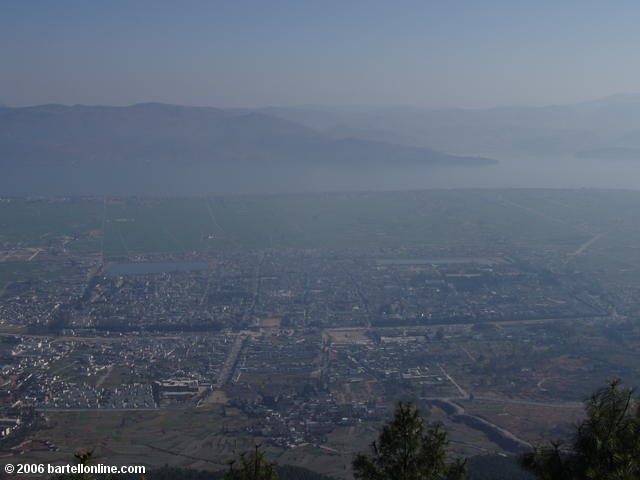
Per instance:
(271,52)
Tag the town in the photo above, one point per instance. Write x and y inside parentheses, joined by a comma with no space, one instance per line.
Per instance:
(301,347)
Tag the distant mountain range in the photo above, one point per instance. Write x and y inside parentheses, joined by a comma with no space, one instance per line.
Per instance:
(611,153)
(156,143)
(167,149)
(157,132)
(556,129)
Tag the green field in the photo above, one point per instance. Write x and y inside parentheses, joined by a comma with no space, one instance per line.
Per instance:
(539,223)
(42,222)
(338,221)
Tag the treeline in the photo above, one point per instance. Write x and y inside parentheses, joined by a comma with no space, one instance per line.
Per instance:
(283,472)
(605,446)
(497,467)
(485,467)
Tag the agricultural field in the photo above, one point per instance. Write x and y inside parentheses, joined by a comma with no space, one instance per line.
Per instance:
(136,226)
(302,319)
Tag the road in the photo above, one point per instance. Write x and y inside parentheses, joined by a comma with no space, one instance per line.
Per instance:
(230,362)
(582,248)
(462,391)
(532,402)
(38,250)
(104,376)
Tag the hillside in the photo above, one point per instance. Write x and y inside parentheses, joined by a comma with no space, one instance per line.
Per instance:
(552,129)
(147,148)
(486,467)
(611,153)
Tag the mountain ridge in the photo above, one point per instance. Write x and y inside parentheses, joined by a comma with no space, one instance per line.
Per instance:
(80,149)
(495,131)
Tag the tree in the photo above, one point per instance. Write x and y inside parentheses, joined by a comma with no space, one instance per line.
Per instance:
(253,466)
(605,446)
(406,451)
(84,457)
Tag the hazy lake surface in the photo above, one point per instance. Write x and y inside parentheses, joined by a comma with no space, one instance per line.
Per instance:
(543,171)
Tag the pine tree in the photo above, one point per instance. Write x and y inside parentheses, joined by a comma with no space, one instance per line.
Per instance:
(406,451)
(253,466)
(606,446)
